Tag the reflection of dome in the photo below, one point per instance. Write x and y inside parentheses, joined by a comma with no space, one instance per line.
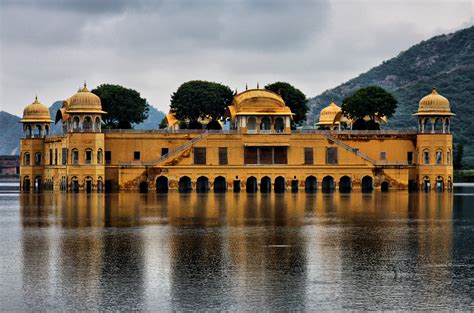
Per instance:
(434,103)
(84,101)
(36,112)
(327,116)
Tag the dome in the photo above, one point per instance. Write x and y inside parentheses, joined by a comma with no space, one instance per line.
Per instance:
(83,101)
(434,104)
(36,112)
(257,102)
(328,114)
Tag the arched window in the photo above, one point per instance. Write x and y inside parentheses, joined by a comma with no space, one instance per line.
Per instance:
(426,156)
(38,131)
(279,125)
(27,158)
(252,124)
(46,130)
(38,158)
(438,126)
(28,131)
(439,157)
(265,123)
(88,156)
(87,124)
(448,157)
(75,123)
(97,124)
(75,156)
(99,156)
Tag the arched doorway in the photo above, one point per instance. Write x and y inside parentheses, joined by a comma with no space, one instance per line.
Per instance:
(202,184)
(220,184)
(251,186)
(367,184)
(345,184)
(74,184)
(26,184)
(449,185)
(279,125)
(184,184)
(37,185)
(265,184)
(426,184)
(311,184)
(328,184)
(162,184)
(88,184)
(280,184)
(265,124)
(384,186)
(143,187)
(100,185)
(439,184)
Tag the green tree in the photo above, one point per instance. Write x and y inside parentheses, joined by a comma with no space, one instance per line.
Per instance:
(369,101)
(294,99)
(458,155)
(124,106)
(200,99)
(163,124)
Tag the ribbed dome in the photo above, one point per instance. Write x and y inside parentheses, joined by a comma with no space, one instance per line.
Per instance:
(434,103)
(36,112)
(328,114)
(84,101)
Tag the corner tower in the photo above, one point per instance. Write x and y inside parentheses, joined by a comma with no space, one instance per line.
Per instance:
(434,143)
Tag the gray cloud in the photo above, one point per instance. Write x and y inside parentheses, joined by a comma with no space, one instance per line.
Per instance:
(50,46)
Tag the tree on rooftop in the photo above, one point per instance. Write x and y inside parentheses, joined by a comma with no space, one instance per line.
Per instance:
(372,101)
(124,106)
(199,99)
(294,99)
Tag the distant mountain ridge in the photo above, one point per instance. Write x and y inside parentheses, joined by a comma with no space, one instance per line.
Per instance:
(11,130)
(445,62)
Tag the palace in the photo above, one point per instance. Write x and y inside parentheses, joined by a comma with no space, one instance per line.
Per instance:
(260,151)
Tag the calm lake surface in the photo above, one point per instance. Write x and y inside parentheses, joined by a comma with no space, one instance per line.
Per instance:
(237,251)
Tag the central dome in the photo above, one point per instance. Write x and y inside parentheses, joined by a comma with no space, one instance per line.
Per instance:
(434,103)
(83,101)
(36,112)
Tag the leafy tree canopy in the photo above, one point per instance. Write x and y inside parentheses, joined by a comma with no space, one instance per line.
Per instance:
(369,101)
(124,106)
(200,99)
(294,99)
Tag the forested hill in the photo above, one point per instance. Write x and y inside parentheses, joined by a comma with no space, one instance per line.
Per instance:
(445,62)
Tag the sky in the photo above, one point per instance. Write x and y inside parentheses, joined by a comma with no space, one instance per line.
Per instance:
(50,47)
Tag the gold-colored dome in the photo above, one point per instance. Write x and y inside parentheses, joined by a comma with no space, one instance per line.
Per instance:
(434,103)
(257,102)
(327,116)
(36,112)
(83,101)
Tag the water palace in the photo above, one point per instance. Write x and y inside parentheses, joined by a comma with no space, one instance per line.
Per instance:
(260,151)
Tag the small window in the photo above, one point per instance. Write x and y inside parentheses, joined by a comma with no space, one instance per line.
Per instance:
(27,158)
(331,155)
(383,155)
(308,156)
(136,155)
(88,157)
(108,157)
(99,156)
(38,158)
(64,156)
(222,155)
(75,156)
(200,156)
(266,155)
(439,157)
(410,157)
(56,156)
(50,156)
(280,155)
(426,157)
(164,151)
(250,155)
(448,157)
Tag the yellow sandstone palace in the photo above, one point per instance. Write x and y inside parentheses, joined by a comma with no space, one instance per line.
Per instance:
(260,151)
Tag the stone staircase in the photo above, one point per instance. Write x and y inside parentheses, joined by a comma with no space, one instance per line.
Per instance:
(338,142)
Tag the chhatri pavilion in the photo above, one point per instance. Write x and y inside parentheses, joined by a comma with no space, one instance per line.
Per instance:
(260,151)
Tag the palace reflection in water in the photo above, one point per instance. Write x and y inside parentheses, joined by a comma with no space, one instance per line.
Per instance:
(237,251)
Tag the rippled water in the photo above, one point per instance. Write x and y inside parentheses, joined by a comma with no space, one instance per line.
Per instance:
(237,251)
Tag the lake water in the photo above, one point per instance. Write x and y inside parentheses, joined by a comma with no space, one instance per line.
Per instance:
(252,252)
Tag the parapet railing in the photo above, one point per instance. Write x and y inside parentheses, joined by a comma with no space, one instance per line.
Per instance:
(356,132)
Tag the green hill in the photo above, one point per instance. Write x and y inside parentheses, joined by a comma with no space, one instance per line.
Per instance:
(445,62)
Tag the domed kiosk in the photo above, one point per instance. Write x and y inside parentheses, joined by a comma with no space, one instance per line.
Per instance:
(36,120)
(434,114)
(329,117)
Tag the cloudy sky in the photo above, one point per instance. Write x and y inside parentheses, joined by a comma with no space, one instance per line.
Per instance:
(50,47)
